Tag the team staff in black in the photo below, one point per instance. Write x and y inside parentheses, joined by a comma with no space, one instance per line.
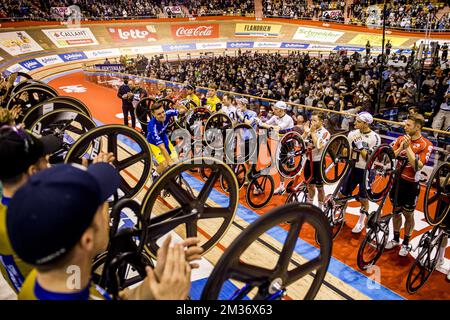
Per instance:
(126,94)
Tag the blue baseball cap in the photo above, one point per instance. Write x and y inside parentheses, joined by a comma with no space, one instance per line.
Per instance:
(49,214)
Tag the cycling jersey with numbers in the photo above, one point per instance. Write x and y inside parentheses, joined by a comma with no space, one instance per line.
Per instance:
(422,148)
(285,122)
(370,140)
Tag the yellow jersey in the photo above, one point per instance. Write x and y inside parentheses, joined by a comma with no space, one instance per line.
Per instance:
(13,269)
(194,98)
(212,102)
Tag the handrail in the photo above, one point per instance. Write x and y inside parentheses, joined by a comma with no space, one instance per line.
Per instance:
(131,76)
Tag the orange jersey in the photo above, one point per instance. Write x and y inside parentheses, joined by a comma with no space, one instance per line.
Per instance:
(422,147)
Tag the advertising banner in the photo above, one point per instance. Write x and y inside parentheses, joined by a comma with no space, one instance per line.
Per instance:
(18,42)
(211,45)
(31,64)
(267,45)
(179,47)
(49,60)
(140,50)
(104,53)
(332,14)
(349,48)
(177,10)
(293,45)
(314,34)
(75,37)
(377,40)
(60,12)
(257,30)
(239,45)
(133,34)
(110,67)
(16,68)
(73,56)
(195,31)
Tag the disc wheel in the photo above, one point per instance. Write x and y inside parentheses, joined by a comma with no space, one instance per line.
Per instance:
(244,271)
(378,175)
(426,261)
(437,195)
(181,203)
(52,104)
(260,191)
(290,150)
(130,149)
(374,242)
(143,111)
(216,129)
(335,159)
(69,125)
(240,172)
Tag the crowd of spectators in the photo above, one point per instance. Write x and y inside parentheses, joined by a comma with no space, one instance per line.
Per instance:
(106,9)
(327,10)
(339,82)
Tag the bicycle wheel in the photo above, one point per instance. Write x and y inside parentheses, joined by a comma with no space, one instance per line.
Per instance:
(379,173)
(241,144)
(335,214)
(195,122)
(290,150)
(374,242)
(278,271)
(437,195)
(260,191)
(216,129)
(335,159)
(189,209)
(241,173)
(299,196)
(426,261)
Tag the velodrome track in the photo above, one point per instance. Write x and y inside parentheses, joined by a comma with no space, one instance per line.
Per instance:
(344,280)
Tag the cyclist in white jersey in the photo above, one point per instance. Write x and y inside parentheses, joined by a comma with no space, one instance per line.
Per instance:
(362,140)
(228,106)
(279,121)
(318,137)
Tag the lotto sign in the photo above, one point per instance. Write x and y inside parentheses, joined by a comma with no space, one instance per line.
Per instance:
(320,35)
(195,31)
(133,34)
(257,30)
(377,40)
(18,42)
(65,38)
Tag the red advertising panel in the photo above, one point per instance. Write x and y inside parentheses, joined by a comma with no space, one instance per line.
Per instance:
(195,31)
(133,34)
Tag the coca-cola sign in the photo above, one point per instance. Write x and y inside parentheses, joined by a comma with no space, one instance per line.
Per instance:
(133,34)
(195,31)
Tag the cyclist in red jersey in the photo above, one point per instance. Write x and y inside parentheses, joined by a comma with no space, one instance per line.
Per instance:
(417,149)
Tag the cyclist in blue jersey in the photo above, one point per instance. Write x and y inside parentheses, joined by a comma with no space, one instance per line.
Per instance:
(162,149)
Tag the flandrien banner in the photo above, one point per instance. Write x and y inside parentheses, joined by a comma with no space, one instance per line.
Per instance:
(314,34)
(75,37)
(257,30)
(18,42)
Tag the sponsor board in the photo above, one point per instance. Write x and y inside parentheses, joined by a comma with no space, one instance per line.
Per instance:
(211,45)
(140,50)
(18,42)
(179,47)
(109,67)
(257,30)
(239,45)
(133,34)
(349,48)
(16,68)
(314,34)
(428,41)
(321,47)
(73,56)
(195,31)
(31,64)
(49,60)
(75,37)
(332,14)
(104,53)
(267,45)
(294,45)
(173,10)
(377,40)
